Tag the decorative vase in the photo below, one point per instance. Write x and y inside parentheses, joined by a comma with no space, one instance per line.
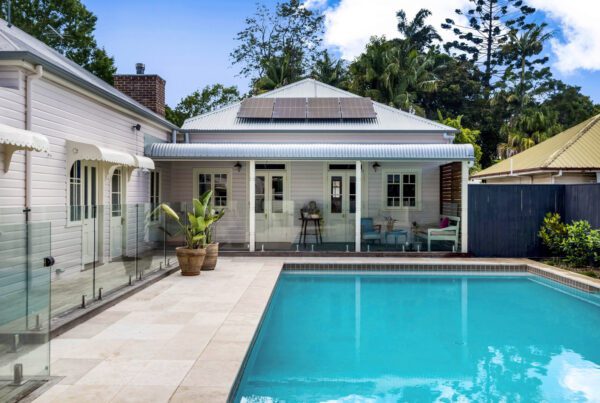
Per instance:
(190,260)
(390,227)
(212,253)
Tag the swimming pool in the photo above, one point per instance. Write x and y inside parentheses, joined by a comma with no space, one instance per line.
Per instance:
(427,337)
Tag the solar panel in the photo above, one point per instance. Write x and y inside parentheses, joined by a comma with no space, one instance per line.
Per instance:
(323,108)
(289,108)
(256,108)
(357,108)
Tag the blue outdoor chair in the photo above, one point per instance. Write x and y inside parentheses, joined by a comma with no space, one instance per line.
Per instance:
(369,232)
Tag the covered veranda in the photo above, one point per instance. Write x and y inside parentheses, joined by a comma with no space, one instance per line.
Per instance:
(325,197)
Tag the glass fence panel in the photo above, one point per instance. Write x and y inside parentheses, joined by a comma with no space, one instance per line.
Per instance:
(118,263)
(74,246)
(24,296)
(150,239)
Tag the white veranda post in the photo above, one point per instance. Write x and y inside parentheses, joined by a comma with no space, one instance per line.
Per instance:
(358,214)
(251,209)
(464,202)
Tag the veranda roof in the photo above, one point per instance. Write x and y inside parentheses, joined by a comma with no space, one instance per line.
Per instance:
(303,151)
(577,148)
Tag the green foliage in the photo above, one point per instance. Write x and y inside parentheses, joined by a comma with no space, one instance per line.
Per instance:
(553,232)
(570,105)
(330,71)
(278,72)
(199,226)
(577,242)
(416,32)
(290,30)
(464,136)
(67,26)
(489,24)
(210,98)
(582,244)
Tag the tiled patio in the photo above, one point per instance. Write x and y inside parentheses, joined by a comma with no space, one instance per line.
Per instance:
(182,339)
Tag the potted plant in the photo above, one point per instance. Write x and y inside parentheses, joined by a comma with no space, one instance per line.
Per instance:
(212,248)
(191,256)
(389,223)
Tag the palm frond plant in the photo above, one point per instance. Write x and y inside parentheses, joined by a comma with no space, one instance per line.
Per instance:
(195,229)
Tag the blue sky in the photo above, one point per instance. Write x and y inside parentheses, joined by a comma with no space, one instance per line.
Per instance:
(188,42)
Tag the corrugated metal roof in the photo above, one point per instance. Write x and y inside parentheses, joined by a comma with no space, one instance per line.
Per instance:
(16,44)
(388,119)
(297,151)
(575,148)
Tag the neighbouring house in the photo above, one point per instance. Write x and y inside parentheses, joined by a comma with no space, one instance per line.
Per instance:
(570,157)
(309,157)
(72,154)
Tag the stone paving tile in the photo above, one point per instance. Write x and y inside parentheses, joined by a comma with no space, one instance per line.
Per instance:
(219,374)
(204,394)
(73,369)
(144,394)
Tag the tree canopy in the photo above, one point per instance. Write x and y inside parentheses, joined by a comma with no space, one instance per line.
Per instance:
(208,99)
(67,26)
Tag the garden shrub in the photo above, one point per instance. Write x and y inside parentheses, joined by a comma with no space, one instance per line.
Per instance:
(577,242)
(553,233)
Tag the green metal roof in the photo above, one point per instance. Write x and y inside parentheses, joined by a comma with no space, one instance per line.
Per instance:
(577,148)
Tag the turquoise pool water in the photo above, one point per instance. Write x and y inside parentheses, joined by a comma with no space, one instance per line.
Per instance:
(388,338)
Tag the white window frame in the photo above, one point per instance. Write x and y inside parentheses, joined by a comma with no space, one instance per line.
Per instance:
(213,172)
(401,171)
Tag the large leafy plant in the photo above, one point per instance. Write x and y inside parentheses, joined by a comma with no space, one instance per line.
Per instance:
(577,242)
(198,226)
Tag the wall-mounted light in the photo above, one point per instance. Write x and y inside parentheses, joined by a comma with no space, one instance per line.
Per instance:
(376,166)
(238,166)
(137,127)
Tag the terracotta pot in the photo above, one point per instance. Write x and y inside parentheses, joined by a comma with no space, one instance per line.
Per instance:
(390,227)
(190,260)
(212,253)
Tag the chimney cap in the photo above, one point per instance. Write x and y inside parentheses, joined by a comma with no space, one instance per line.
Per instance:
(140,68)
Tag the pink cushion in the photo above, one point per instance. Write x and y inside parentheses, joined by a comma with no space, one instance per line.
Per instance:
(444,222)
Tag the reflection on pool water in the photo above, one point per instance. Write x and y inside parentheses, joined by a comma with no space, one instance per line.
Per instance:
(390,337)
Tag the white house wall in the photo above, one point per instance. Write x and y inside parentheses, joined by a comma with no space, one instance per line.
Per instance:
(306,184)
(318,137)
(61,114)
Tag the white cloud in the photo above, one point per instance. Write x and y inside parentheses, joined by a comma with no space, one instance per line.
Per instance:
(315,4)
(578,21)
(350,24)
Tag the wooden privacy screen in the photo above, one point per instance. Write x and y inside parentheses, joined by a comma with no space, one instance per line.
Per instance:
(450,178)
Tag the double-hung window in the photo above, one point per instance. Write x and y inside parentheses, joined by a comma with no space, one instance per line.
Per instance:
(216,181)
(401,190)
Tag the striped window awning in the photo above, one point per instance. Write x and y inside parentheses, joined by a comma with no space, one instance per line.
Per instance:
(303,151)
(15,139)
(91,152)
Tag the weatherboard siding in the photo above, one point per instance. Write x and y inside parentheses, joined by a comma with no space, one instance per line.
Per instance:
(61,114)
(319,137)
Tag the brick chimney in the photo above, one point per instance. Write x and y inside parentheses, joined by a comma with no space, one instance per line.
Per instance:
(147,89)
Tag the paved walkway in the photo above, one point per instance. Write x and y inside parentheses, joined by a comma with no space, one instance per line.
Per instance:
(182,339)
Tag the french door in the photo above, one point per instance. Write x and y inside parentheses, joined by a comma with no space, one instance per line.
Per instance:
(89,213)
(271,215)
(340,207)
(117,212)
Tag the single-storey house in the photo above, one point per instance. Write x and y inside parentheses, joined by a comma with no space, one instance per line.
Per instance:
(570,157)
(312,167)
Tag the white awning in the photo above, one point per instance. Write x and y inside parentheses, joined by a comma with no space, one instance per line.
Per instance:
(18,139)
(144,162)
(91,152)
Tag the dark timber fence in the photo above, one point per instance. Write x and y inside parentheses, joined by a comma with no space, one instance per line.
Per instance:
(504,219)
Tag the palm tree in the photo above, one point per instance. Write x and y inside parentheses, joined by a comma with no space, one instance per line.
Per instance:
(522,46)
(408,72)
(367,69)
(278,73)
(330,71)
(526,130)
(416,32)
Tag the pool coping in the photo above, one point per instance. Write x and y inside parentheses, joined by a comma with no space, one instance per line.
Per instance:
(564,277)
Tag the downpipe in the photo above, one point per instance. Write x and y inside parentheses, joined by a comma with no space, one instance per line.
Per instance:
(39,71)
